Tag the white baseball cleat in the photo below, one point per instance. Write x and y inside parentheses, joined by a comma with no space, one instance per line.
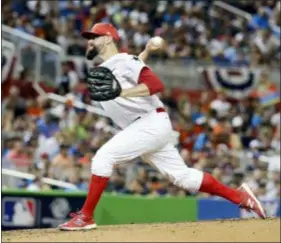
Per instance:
(250,202)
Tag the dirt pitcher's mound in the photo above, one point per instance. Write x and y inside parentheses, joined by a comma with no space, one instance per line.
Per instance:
(234,231)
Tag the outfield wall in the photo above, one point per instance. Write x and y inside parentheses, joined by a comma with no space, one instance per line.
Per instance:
(24,209)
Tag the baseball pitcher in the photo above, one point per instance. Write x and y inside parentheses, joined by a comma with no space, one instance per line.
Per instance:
(126,89)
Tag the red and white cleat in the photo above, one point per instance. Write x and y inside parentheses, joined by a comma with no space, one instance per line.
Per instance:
(250,202)
(79,222)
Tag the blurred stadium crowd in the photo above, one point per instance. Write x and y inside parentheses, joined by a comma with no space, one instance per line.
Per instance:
(194,30)
(233,140)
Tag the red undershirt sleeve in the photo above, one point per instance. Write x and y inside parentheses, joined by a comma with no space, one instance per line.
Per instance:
(153,83)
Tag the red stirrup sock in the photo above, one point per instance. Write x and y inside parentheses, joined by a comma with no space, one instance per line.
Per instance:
(212,186)
(96,188)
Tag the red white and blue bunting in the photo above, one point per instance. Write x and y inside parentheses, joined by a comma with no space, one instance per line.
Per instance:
(236,83)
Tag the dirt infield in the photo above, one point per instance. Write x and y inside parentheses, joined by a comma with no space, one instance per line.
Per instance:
(227,231)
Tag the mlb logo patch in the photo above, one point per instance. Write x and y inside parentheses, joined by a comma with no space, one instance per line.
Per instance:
(20,212)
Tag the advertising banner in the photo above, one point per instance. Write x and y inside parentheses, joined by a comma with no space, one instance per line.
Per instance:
(213,209)
(23,209)
(49,209)
(19,212)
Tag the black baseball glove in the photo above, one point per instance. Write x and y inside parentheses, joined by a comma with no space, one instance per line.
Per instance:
(102,84)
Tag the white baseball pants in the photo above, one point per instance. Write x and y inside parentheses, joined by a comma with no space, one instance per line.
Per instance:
(148,138)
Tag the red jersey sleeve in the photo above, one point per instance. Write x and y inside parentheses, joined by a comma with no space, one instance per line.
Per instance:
(153,83)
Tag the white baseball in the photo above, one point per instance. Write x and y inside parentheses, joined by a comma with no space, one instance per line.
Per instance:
(157,41)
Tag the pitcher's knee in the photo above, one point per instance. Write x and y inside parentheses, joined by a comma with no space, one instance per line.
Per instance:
(188,179)
(102,164)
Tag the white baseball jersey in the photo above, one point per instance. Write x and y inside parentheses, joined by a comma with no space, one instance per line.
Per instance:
(123,111)
(148,137)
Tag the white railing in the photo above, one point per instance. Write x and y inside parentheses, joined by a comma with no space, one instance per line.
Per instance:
(30,38)
(46,180)
(64,99)
(232,9)
(8,51)
(40,57)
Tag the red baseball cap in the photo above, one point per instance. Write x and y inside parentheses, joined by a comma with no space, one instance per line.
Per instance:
(101,29)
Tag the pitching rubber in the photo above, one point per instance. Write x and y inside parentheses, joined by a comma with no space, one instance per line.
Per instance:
(87,227)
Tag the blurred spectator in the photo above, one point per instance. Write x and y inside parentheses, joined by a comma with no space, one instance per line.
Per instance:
(267,44)
(221,131)
(44,164)
(3,61)
(35,185)
(39,7)
(266,91)
(35,107)
(18,157)
(202,139)
(76,47)
(47,125)
(220,105)
(14,103)
(68,80)
(62,166)
(260,19)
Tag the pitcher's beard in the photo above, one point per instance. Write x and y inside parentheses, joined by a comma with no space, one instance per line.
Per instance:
(91,54)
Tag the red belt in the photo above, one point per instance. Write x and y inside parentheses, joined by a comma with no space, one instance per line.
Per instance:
(160,109)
